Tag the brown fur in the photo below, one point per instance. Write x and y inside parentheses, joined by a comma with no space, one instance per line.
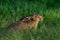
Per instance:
(27,22)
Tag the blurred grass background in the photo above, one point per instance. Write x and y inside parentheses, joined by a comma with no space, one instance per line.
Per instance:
(14,10)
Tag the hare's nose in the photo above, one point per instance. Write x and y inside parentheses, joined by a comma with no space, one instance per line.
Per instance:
(41,18)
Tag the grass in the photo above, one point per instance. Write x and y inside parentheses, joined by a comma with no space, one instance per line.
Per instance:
(49,29)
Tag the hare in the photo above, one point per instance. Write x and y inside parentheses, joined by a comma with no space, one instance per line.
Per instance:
(30,22)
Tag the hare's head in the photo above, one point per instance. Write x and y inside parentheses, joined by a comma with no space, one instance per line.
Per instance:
(37,17)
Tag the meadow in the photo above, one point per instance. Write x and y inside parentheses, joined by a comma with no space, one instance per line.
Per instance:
(14,10)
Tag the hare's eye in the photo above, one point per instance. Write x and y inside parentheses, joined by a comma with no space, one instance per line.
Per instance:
(35,15)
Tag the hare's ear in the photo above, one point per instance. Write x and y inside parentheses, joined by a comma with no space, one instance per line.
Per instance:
(27,18)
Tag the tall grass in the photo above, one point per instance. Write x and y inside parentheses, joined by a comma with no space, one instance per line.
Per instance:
(11,11)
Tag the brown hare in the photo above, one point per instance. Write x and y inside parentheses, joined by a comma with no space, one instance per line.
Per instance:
(27,22)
